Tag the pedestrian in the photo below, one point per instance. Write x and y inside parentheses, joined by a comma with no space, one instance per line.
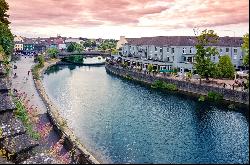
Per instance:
(28,73)
(224,85)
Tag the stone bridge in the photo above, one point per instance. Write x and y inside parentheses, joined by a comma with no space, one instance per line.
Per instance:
(84,54)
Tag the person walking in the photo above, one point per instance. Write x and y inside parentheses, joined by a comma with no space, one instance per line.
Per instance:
(28,73)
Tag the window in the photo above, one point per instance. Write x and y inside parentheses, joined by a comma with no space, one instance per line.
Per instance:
(190,51)
(161,50)
(172,50)
(155,48)
(227,50)
(184,50)
(235,50)
(220,50)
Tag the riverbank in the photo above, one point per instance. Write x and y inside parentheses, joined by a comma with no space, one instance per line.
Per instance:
(238,97)
(59,122)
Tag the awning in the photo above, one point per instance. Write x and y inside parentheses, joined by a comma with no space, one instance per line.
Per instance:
(166,71)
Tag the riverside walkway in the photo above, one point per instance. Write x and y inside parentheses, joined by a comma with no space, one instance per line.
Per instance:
(24,82)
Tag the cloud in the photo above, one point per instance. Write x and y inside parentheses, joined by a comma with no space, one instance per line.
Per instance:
(157,14)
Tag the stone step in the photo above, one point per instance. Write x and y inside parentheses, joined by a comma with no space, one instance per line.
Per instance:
(41,158)
(18,145)
(6,103)
(10,125)
(4,85)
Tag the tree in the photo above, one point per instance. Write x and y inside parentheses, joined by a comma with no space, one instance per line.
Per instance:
(53,52)
(75,47)
(245,48)
(150,68)
(71,48)
(6,39)
(114,51)
(225,68)
(78,48)
(203,64)
(4,7)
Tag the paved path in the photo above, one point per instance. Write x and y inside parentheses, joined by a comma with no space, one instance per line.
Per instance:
(21,84)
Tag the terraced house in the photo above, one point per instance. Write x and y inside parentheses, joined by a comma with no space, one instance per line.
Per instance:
(168,52)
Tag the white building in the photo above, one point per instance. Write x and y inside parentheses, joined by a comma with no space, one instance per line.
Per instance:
(168,52)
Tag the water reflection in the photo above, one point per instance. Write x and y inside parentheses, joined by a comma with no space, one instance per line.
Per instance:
(124,122)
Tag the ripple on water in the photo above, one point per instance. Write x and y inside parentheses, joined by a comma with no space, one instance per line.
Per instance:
(123,122)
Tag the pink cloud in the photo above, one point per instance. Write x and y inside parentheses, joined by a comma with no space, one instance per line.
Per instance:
(161,14)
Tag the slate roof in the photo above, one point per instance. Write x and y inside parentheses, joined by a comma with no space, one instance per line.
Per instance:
(182,41)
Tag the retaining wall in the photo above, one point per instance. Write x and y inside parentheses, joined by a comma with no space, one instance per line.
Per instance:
(199,89)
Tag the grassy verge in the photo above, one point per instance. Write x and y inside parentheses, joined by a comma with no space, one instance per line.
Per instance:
(23,115)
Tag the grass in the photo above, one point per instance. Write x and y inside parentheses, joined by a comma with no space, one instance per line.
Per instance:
(22,114)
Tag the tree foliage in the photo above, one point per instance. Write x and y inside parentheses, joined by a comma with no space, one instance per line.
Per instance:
(203,64)
(6,39)
(150,68)
(225,68)
(75,47)
(245,48)
(53,52)
(108,45)
(4,7)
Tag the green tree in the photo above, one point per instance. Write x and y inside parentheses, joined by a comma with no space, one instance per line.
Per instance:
(41,60)
(245,48)
(75,47)
(71,47)
(53,52)
(6,39)
(150,68)
(225,67)
(78,48)
(114,51)
(4,7)
(203,64)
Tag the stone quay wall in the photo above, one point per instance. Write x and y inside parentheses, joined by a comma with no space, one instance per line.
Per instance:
(241,97)
(59,122)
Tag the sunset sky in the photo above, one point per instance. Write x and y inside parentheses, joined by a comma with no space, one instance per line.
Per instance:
(132,18)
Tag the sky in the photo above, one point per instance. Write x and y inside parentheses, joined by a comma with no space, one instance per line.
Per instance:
(130,18)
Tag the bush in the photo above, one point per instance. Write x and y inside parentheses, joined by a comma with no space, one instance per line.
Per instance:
(201,98)
(163,85)
(214,96)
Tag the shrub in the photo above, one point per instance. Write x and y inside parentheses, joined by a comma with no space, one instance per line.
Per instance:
(214,96)
(158,84)
(201,98)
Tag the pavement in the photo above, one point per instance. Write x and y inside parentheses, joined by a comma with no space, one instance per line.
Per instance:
(24,82)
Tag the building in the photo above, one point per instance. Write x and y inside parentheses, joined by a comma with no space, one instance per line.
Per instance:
(18,39)
(29,47)
(168,52)
(18,46)
(73,40)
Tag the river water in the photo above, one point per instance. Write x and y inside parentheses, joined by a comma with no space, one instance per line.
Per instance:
(123,122)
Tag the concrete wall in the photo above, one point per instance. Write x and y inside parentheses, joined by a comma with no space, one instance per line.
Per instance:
(231,95)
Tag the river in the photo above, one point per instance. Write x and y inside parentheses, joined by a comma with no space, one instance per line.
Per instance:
(123,122)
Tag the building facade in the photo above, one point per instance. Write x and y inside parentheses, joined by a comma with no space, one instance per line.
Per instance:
(169,52)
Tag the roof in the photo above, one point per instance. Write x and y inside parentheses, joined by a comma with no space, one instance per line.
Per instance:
(182,41)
